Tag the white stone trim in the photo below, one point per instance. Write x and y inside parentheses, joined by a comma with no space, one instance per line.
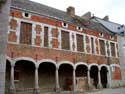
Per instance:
(104,45)
(29,14)
(65,62)
(64,25)
(80,63)
(93,64)
(104,65)
(9,59)
(46,60)
(24,58)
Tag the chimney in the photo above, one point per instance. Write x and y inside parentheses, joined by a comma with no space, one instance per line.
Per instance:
(71,11)
(86,16)
(106,18)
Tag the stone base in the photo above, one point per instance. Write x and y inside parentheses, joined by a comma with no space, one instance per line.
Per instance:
(36,91)
(12,91)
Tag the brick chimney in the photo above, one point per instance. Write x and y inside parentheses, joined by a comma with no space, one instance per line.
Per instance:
(71,11)
(106,18)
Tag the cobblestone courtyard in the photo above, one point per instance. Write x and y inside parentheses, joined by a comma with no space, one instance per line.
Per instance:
(109,91)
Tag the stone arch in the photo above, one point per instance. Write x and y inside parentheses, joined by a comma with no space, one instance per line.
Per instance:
(47,60)
(102,65)
(9,59)
(94,68)
(93,64)
(80,63)
(81,70)
(104,75)
(24,58)
(66,75)
(116,71)
(46,71)
(24,72)
(65,62)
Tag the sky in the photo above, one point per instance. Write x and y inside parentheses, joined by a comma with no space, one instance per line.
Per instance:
(115,9)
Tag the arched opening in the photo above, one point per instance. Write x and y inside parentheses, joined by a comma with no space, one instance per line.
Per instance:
(94,76)
(66,77)
(47,76)
(24,71)
(81,77)
(7,77)
(103,73)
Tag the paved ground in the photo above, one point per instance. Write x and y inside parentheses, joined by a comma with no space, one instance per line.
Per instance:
(108,91)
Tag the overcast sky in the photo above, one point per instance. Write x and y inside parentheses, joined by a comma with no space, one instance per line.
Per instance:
(115,9)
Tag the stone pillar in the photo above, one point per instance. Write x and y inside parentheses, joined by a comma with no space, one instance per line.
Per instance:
(74,81)
(36,80)
(109,79)
(57,80)
(88,76)
(99,80)
(12,86)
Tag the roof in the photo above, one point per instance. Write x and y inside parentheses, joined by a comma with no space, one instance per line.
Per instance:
(111,26)
(47,11)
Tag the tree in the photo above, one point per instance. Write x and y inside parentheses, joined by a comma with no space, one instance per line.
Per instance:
(4,15)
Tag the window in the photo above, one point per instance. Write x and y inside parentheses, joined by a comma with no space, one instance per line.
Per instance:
(112,49)
(26,15)
(102,47)
(92,45)
(65,40)
(79,28)
(64,25)
(46,36)
(25,33)
(80,43)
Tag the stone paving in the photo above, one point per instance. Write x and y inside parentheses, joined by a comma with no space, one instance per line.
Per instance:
(108,91)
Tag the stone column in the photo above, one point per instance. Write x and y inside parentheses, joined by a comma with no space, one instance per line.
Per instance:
(12,86)
(88,76)
(36,80)
(57,80)
(109,78)
(74,81)
(99,79)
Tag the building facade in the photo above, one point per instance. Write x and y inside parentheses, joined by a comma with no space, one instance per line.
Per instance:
(50,51)
(120,31)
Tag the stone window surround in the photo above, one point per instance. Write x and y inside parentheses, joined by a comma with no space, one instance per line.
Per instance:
(50,36)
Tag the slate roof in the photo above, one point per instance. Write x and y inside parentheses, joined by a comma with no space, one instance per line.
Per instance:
(47,11)
(111,26)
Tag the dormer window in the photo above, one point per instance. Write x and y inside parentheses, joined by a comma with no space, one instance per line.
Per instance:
(101,34)
(26,15)
(111,37)
(65,25)
(79,28)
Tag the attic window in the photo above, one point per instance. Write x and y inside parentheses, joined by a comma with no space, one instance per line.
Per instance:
(79,28)
(101,34)
(26,15)
(111,37)
(65,25)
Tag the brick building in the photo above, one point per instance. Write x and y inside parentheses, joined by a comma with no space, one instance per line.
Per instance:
(51,50)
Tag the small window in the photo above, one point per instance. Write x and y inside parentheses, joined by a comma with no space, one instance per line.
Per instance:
(79,28)
(111,37)
(101,34)
(26,15)
(64,25)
